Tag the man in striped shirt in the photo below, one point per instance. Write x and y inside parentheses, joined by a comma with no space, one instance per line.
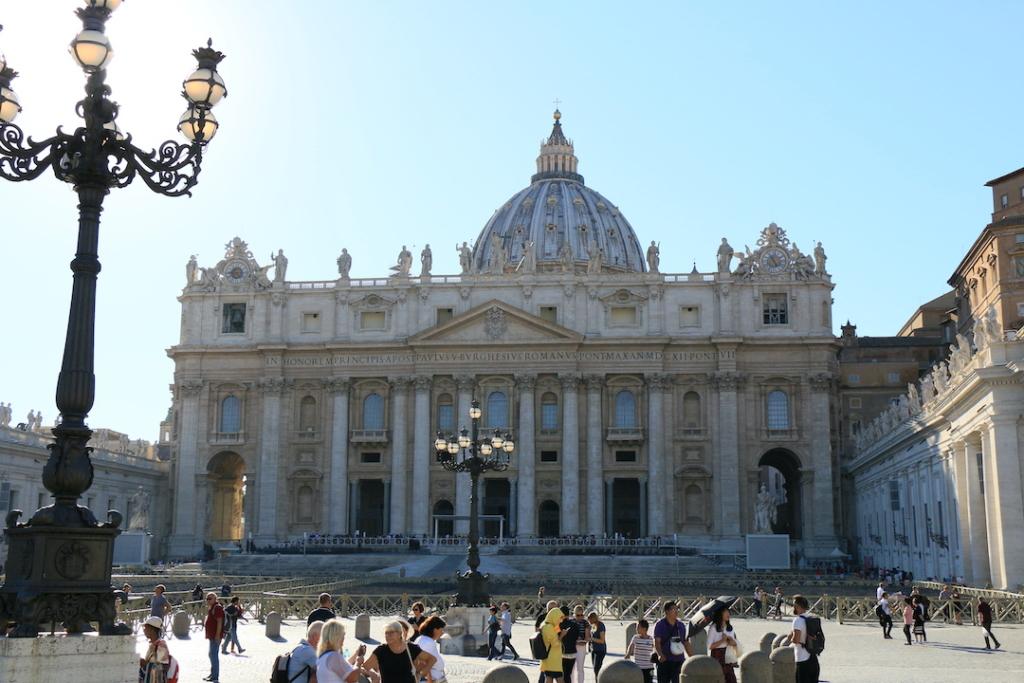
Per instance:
(640,648)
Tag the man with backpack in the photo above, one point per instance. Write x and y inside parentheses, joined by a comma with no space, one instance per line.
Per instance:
(299,665)
(808,641)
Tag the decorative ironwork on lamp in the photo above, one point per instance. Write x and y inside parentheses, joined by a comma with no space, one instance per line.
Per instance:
(474,454)
(59,561)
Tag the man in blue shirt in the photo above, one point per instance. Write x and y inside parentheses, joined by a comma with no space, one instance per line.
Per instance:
(303,659)
(671,644)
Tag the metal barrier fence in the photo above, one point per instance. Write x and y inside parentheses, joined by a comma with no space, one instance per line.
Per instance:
(969,590)
(618,608)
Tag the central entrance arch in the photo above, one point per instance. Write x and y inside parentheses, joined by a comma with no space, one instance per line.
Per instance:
(779,470)
(226,475)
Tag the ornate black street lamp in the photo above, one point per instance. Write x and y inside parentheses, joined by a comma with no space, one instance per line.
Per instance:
(470,453)
(59,561)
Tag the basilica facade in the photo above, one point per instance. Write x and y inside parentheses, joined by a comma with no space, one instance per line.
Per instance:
(643,403)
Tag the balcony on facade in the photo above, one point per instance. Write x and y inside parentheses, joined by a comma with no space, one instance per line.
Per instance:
(624,435)
(308,434)
(369,436)
(226,438)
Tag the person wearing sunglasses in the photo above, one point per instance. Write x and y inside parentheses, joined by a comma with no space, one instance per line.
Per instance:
(398,661)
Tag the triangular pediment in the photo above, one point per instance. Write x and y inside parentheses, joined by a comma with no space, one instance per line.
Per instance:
(496,322)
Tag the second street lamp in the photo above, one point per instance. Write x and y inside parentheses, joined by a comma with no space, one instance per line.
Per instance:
(473,454)
(59,560)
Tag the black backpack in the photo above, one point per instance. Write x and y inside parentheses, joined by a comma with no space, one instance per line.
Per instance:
(280,672)
(538,649)
(879,612)
(814,641)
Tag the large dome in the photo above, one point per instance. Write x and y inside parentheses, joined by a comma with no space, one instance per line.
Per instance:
(555,210)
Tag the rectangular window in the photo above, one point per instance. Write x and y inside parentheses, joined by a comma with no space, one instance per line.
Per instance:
(41,501)
(892,378)
(852,379)
(12,500)
(855,403)
(1004,200)
(1018,266)
(310,322)
(775,308)
(625,456)
(372,320)
(444,315)
(5,496)
(549,456)
(928,527)
(233,321)
(894,495)
(854,426)
(913,516)
(446,417)
(623,316)
(1022,192)
(1019,238)
(549,416)
(549,313)
(689,316)
(981,474)
(370,458)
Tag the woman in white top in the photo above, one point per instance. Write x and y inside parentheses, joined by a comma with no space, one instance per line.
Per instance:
(722,644)
(431,631)
(331,666)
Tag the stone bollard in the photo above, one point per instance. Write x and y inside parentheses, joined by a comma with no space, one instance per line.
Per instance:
(630,632)
(506,673)
(363,626)
(620,671)
(783,665)
(766,642)
(699,643)
(781,640)
(702,669)
(273,625)
(756,667)
(180,624)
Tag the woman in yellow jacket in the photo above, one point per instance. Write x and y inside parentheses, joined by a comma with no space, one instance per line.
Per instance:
(552,664)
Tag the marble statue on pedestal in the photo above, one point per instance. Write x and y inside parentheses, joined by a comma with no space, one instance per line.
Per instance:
(653,257)
(725,252)
(5,415)
(465,257)
(819,260)
(404,264)
(426,261)
(191,269)
(498,256)
(140,510)
(565,257)
(344,264)
(529,262)
(766,512)
(596,258)
(280,265)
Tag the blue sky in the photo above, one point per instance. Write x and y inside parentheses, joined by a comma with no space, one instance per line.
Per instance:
(869,126)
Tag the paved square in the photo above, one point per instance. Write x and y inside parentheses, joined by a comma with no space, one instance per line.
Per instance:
(855,653)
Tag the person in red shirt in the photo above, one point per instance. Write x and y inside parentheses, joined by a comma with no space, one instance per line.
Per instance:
(214,632)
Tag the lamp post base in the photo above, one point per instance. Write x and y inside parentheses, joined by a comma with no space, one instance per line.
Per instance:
(58,579)
(473,591)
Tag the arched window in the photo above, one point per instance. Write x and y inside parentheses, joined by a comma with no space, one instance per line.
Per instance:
(497,409)
(445,413)
(691,410)
(625,410)
(694,504)
(307,414)
(778,410)
(549,411)
(305,504)
(373,412)
(230,415)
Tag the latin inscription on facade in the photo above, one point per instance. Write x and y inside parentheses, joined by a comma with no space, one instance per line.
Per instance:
(427,357)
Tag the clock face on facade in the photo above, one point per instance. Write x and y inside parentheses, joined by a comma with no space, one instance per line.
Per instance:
(236,271)
(774,260)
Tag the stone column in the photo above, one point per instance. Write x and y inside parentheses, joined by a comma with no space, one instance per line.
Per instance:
(337,511)
(465,386)
(728,429)
(821,448)
(655,456)
(422,452)
(609,501)
(526,459)
(399,454)
(595,459)
(959,511)
(183,541)
(249,504)
(570,456)
(974,505)
(1006,486)
(270,446)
